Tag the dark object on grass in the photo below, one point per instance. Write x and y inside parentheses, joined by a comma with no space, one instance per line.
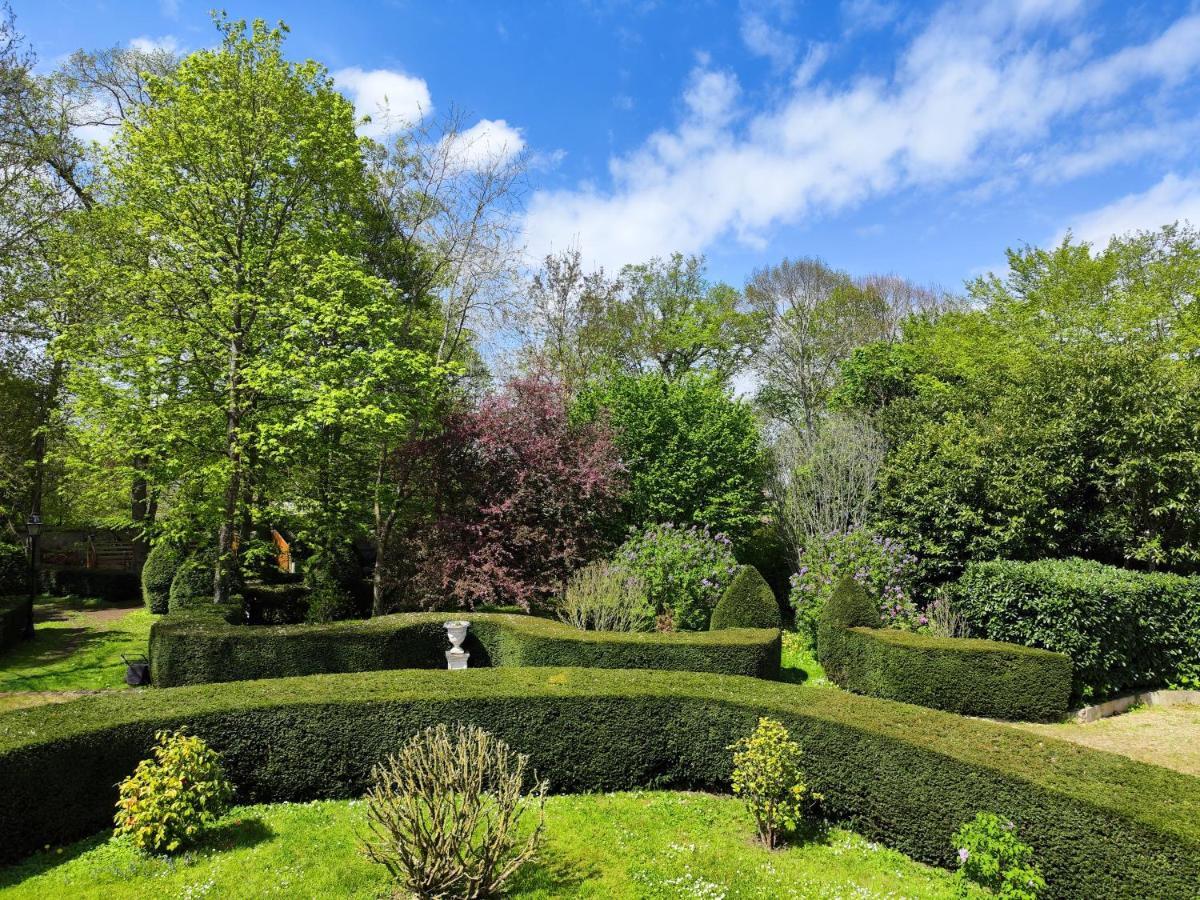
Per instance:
(137,670)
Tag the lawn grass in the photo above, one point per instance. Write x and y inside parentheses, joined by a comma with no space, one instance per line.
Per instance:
(77,646)
(641,844)
(799,663)
(1163,735)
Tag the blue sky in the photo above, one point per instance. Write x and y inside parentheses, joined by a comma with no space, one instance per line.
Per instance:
(920,139)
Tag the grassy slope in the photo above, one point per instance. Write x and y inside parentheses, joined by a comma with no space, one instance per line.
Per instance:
(72,651)
(644,844)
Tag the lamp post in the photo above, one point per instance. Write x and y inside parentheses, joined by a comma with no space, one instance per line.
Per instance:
(33,528)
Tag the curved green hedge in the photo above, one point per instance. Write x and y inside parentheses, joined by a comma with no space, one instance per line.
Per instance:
(1101,825)
(748,602)
(198,649)
(962,675)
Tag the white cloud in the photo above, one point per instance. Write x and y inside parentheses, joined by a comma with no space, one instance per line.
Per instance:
(869,15)
(168,43)
(764,39)
(391,99)
(487,141)
(169,8)
(1173,199)
(970,94)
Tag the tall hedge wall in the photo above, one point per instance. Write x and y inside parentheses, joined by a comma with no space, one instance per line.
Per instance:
(14,611)
(1101,825)
(1123,630)
(196,649)
(972,677)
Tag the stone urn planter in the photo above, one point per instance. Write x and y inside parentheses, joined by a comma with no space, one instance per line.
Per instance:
(456,656)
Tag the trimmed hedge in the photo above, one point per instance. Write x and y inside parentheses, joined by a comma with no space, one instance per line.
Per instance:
(195,650)
(748,602)
(14,612)
(967,676)
(110,585)
(1123,630)
(192,585)
(1101,825)
(162,562)
(14,569)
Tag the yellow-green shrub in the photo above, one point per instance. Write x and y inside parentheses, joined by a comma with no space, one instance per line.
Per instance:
(767,775)
(169,801)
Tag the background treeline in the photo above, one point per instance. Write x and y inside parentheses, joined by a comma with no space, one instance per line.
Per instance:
(234,315)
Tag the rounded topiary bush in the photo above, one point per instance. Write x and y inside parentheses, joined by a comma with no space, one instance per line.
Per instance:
(748,602)
(193,583)
(162,562)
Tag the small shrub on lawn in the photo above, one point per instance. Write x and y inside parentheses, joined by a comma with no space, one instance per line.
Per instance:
(881,565)
(684,570)
(991,856)
(767,775)
(169,801)
(162,562)
(444,814)
(605,596)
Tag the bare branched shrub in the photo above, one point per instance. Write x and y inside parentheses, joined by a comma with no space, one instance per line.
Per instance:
(606,597)
(824,477)
(444,814)
(944,619)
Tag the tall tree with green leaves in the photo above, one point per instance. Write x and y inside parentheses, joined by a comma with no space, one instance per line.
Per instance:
(242,317)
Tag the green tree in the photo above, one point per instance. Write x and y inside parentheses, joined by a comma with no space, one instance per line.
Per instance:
(242,320)
(693,451)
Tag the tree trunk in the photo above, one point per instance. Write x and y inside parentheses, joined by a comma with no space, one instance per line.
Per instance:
(142,509)
(223,573)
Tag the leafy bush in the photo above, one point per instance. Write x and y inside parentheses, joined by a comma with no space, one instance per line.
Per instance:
(333,578)
(1123,630)
(444,814)
(684,571)
(1103,825)
(193,583)
(748,602)
(992,856)
(767,775)
(274,603)
(162,562)
(169,801)
(606,597)
(692,451)
(14,569)
(972,677)
(881,565)
(14,613)
(202,646)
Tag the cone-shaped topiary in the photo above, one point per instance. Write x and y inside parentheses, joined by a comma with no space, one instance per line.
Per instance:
(748,602)
(193,583)
(847,607)
(162,562)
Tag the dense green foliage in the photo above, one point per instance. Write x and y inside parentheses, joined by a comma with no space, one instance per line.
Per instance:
(158,571)
(1103,825)
(14,569)
(202,648)
(170,801)
(691,449)
(335,590)
(682,570)
(1123,630)
(1056,418)
(992,856)
(972,677)
(13,615)
(747,602)
(112,585)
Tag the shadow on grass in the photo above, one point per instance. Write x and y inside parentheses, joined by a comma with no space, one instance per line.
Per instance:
(553,874)
(232,835)
(793,676)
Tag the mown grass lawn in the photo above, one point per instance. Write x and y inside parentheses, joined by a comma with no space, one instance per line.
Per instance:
(77,646)
(799,662)
(642,844)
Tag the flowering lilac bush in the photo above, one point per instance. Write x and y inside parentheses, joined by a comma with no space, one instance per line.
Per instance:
(883,566)
(684,571)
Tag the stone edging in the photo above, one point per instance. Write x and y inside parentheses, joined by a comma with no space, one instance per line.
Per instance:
(1124,704)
